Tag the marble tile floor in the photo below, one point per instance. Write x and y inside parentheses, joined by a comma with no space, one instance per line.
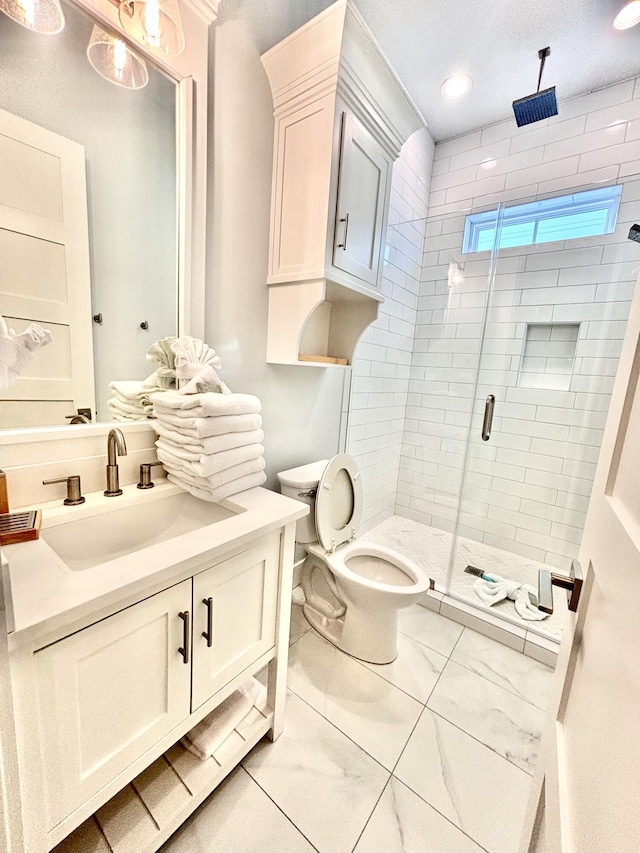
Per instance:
(432,753)
(430,548)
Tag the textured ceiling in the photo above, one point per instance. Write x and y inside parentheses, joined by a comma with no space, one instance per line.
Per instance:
(496,43)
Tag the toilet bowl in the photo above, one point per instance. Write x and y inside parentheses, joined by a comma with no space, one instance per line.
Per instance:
(353,588)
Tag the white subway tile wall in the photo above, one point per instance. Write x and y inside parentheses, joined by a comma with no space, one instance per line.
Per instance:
(380,374)
(527,489)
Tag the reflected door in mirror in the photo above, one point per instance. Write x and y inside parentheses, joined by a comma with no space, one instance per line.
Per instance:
(44,274)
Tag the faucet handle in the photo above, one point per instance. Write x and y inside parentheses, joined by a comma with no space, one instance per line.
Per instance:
(145,475)
(74,490)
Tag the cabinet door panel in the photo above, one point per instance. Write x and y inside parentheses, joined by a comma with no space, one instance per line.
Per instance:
(109,692)
(361,197)
(243,592)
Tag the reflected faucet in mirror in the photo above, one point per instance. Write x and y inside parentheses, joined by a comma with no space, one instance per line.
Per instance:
(116,446)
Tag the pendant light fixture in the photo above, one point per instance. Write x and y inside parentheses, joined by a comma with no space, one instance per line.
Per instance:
(154,23)
(114,60)
(41,16)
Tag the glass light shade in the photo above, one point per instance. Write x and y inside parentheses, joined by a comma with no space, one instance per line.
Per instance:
(628,16)
(42,16)
(155,24)
(115,61)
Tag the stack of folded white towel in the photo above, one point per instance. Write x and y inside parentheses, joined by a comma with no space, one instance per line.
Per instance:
(210,443)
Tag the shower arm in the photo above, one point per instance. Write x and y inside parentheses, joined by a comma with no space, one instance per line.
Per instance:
(542,56)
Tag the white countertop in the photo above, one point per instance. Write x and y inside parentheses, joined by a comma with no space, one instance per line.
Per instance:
(46,596)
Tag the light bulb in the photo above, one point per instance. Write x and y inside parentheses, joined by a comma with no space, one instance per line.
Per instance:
(628,16)
(28,11)
(120,57)
(150,19)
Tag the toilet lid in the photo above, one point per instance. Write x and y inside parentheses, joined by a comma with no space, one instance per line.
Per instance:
(338,502)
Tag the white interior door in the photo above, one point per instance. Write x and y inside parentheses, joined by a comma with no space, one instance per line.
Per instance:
(589,778)
(44,270)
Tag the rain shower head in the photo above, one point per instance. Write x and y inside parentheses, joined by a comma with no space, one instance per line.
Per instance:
(539,105)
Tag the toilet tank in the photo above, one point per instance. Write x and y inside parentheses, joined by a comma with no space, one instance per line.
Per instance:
(300,484)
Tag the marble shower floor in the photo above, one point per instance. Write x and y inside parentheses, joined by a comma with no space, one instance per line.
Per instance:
(430,754)
(430,548)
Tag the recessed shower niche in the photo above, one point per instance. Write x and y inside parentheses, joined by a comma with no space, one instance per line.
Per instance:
(548,356)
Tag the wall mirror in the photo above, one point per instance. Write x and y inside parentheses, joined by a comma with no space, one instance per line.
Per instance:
(88,218)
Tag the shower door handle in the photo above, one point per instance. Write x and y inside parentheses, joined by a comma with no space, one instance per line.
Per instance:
(572,583)
(488,417)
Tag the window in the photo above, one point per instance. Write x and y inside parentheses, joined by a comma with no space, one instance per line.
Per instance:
(583,214)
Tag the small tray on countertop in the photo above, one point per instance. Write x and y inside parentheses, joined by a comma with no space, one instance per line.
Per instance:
(22,526)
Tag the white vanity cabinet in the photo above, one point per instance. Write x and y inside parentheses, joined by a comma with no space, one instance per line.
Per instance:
(101,710)
(107,694)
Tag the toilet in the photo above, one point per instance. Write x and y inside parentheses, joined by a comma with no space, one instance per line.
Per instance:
(353,589)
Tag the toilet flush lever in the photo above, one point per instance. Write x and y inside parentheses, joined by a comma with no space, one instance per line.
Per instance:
(310,494)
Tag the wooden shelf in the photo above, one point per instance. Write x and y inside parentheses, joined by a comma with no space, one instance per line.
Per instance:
(141,817)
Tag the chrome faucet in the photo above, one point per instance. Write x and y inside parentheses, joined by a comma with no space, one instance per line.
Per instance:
(116,445)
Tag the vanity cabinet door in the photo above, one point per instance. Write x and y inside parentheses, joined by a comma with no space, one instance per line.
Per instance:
(108,693)
(360,212)
(235,606)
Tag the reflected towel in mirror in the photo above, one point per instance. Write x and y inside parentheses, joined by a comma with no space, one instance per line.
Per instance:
(16,350)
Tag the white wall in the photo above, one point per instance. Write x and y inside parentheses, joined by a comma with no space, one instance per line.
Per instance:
(382,360)
(527,489)
(301,405)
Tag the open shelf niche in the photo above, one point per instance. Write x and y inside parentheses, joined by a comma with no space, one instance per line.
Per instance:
(317,322)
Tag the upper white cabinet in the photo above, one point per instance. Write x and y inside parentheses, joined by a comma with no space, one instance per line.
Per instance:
(363,178)
(341,117)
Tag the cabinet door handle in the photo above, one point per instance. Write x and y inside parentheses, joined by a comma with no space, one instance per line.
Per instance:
(184,651)
(208,634)
(346,232)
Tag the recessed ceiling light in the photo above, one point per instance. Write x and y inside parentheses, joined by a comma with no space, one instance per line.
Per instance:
(628,16)
(459,84)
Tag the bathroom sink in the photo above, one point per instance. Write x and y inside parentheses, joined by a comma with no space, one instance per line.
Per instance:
(88,542)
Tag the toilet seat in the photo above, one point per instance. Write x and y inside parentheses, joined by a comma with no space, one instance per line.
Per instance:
(338,502)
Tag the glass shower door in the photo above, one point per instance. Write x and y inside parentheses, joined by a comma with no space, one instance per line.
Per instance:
(555,318)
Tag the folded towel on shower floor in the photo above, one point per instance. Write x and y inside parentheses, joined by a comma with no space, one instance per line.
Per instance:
(209,405)
(491,592)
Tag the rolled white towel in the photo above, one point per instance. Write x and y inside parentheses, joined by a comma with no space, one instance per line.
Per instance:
(211,732)
(205,493)
(206,405)
(213,444)
(213,481)
(209,427)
